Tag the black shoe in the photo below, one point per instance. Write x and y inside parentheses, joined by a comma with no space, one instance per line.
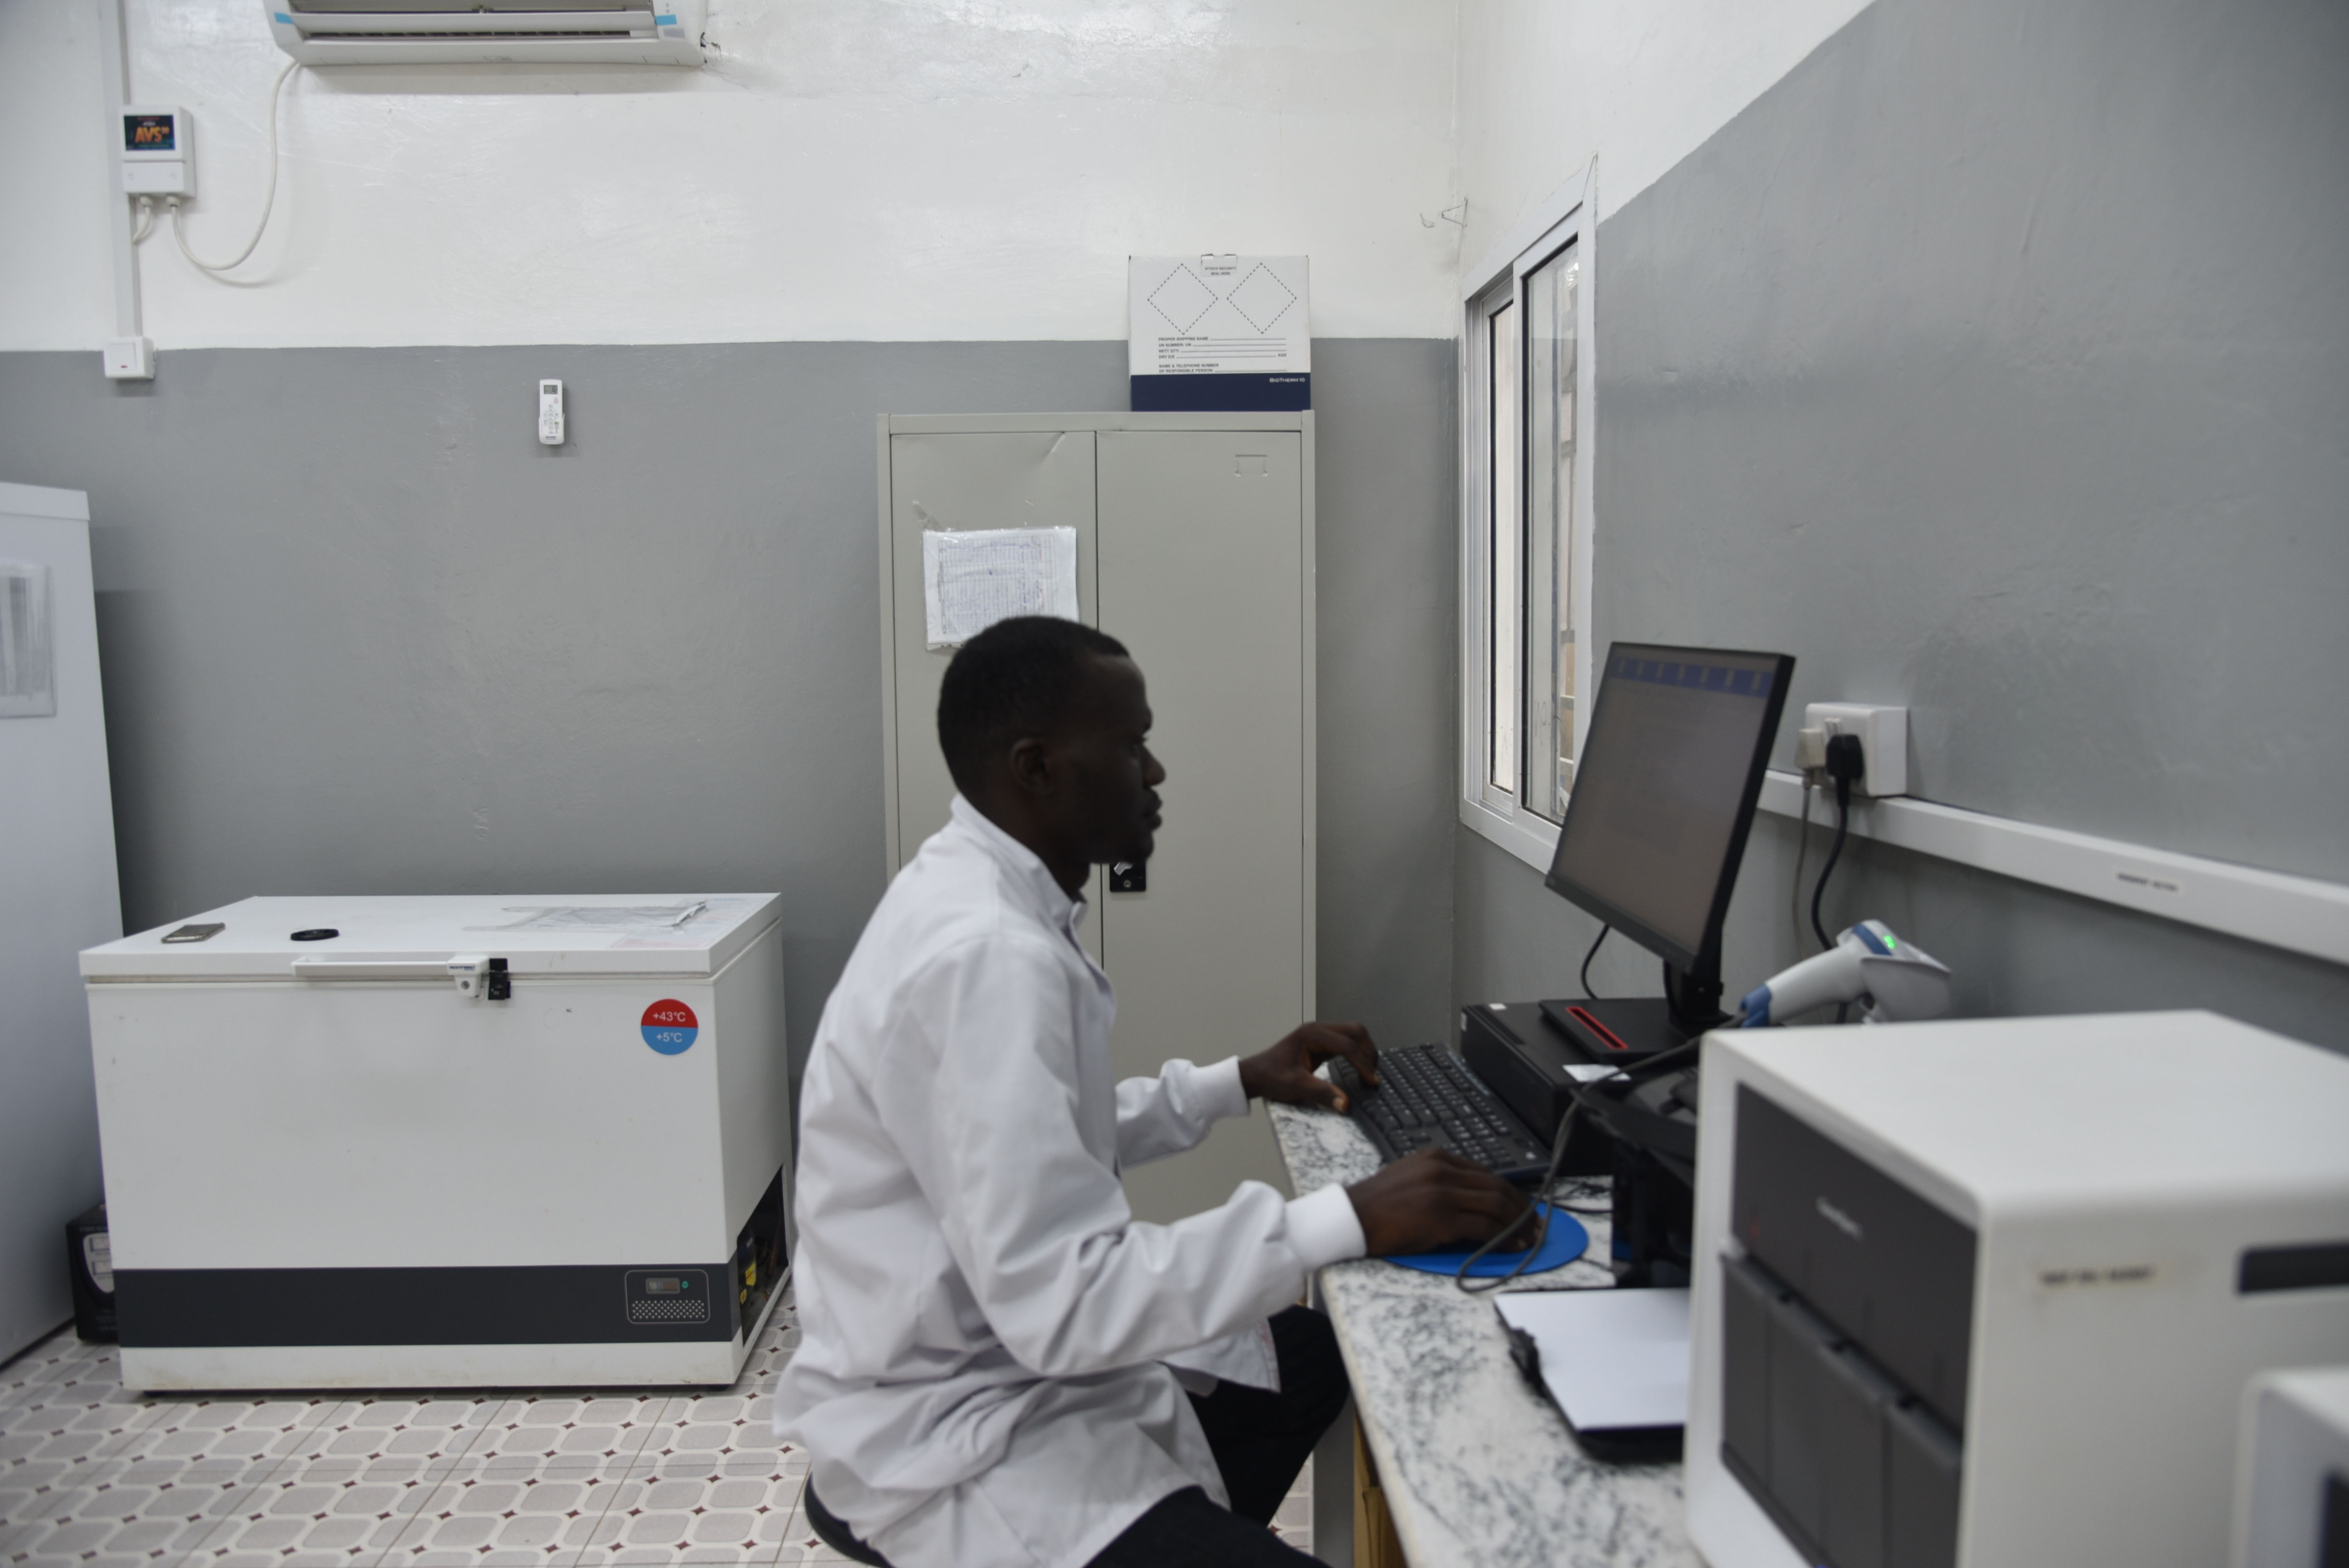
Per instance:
(834,1532)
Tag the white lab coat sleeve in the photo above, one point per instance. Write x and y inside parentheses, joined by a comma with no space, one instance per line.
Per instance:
(1172,1112)
(981,1088)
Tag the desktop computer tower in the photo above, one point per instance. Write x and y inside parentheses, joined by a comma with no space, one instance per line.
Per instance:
(1987,1293)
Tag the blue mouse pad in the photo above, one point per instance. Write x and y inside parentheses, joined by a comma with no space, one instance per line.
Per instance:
(1565,1243)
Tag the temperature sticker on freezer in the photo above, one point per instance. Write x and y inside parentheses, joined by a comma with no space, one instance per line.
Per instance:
(670,1026)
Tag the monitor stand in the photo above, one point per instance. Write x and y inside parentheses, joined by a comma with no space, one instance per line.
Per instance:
(1633,1028)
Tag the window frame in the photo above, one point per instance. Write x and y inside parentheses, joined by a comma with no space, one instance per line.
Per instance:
(1567,218)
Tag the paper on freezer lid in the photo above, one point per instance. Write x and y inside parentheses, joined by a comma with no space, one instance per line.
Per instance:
(638,933)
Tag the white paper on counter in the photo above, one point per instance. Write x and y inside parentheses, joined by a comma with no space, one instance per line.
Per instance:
(972,580)
(1612,1359)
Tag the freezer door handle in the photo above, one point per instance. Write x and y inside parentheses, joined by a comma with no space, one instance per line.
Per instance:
(476,976)
(365,969)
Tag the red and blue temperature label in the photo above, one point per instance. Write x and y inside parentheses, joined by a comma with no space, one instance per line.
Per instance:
(670,1027)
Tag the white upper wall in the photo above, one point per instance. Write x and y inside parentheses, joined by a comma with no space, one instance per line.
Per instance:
(861,169)
(843,169)
(1545,86)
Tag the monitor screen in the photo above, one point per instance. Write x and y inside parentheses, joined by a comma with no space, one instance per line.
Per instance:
(1664,791)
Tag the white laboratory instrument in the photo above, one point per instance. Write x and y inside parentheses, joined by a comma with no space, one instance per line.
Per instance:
(1985,1294)
(1895,982)
(2291,1486)
(405,1142)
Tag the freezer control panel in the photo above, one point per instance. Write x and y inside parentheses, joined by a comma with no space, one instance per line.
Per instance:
(667,1297)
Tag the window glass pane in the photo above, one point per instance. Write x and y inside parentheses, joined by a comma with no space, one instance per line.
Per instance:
(1504,590)
(1549,532)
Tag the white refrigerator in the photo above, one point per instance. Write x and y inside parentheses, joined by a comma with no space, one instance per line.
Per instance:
(56,895)
(376,1142)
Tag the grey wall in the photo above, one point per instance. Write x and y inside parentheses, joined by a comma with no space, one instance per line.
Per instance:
(1386,461)
(361,633)
(1993,362)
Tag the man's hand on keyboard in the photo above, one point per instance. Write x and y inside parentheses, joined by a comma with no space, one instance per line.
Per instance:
(1431,1200)
(1285,1073)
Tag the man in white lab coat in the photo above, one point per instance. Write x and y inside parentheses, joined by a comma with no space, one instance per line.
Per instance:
(998,1364)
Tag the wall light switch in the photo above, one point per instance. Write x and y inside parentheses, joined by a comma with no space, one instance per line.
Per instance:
(1883,740)
(130,359)
(550,413)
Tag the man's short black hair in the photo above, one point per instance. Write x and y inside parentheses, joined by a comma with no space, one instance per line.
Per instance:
(1016,678)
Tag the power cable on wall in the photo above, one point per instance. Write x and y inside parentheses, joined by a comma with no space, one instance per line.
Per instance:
(268,200)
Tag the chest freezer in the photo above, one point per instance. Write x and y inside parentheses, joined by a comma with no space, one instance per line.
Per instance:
(438,1143)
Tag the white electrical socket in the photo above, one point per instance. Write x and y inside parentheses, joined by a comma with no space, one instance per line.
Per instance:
(550,413)
(1883,741)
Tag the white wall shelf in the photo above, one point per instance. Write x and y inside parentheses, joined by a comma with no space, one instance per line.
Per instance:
(2300,914)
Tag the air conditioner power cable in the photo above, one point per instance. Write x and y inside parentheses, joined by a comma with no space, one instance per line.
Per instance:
(268,200)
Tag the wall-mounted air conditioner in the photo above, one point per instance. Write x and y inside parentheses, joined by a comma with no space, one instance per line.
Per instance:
(489,32)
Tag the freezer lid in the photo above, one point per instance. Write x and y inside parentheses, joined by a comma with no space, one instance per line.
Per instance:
(390,938)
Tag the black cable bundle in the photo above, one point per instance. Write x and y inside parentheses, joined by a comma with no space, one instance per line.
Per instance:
(1845,762)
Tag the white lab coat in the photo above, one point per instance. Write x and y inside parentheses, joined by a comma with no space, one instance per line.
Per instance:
(982,1374)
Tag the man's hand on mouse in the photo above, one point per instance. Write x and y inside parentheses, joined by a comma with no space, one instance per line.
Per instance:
(1284,1074)
(1432,1199)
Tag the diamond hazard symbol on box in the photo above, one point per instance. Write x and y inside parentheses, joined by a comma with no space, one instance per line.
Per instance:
(1262,298)
(1183,299)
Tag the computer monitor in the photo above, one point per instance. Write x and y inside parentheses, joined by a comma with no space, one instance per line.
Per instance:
(1663,796)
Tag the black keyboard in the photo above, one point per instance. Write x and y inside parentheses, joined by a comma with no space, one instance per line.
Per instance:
(1427,1098)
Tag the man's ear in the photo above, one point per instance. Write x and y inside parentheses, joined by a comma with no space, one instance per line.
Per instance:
(1031,765)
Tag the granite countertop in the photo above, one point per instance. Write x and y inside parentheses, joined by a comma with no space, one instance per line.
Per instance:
(1478,1469)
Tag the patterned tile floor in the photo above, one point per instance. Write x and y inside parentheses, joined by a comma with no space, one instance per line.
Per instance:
(93,1477)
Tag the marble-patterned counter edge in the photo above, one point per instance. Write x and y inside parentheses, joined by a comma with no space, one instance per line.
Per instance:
(1478,1469)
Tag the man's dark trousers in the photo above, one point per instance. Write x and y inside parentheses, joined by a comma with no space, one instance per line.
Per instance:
(1260,1442)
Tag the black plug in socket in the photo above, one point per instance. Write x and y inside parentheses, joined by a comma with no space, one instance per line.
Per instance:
(1846,761)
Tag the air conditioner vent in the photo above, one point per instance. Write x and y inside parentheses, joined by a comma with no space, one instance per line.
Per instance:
(459,7)
(506,32)
(471,38)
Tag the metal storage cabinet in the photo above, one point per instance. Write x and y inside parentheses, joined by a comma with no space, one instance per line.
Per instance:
(1194,548)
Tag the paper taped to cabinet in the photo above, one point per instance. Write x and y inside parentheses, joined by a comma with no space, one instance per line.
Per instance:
(972,579)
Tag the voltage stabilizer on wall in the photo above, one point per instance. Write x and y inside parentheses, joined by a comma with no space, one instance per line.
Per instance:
(158,157)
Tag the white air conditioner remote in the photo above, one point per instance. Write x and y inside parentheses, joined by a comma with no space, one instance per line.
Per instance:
(550,413)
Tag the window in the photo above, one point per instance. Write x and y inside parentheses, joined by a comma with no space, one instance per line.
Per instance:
(1501,522)
(1526,527)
